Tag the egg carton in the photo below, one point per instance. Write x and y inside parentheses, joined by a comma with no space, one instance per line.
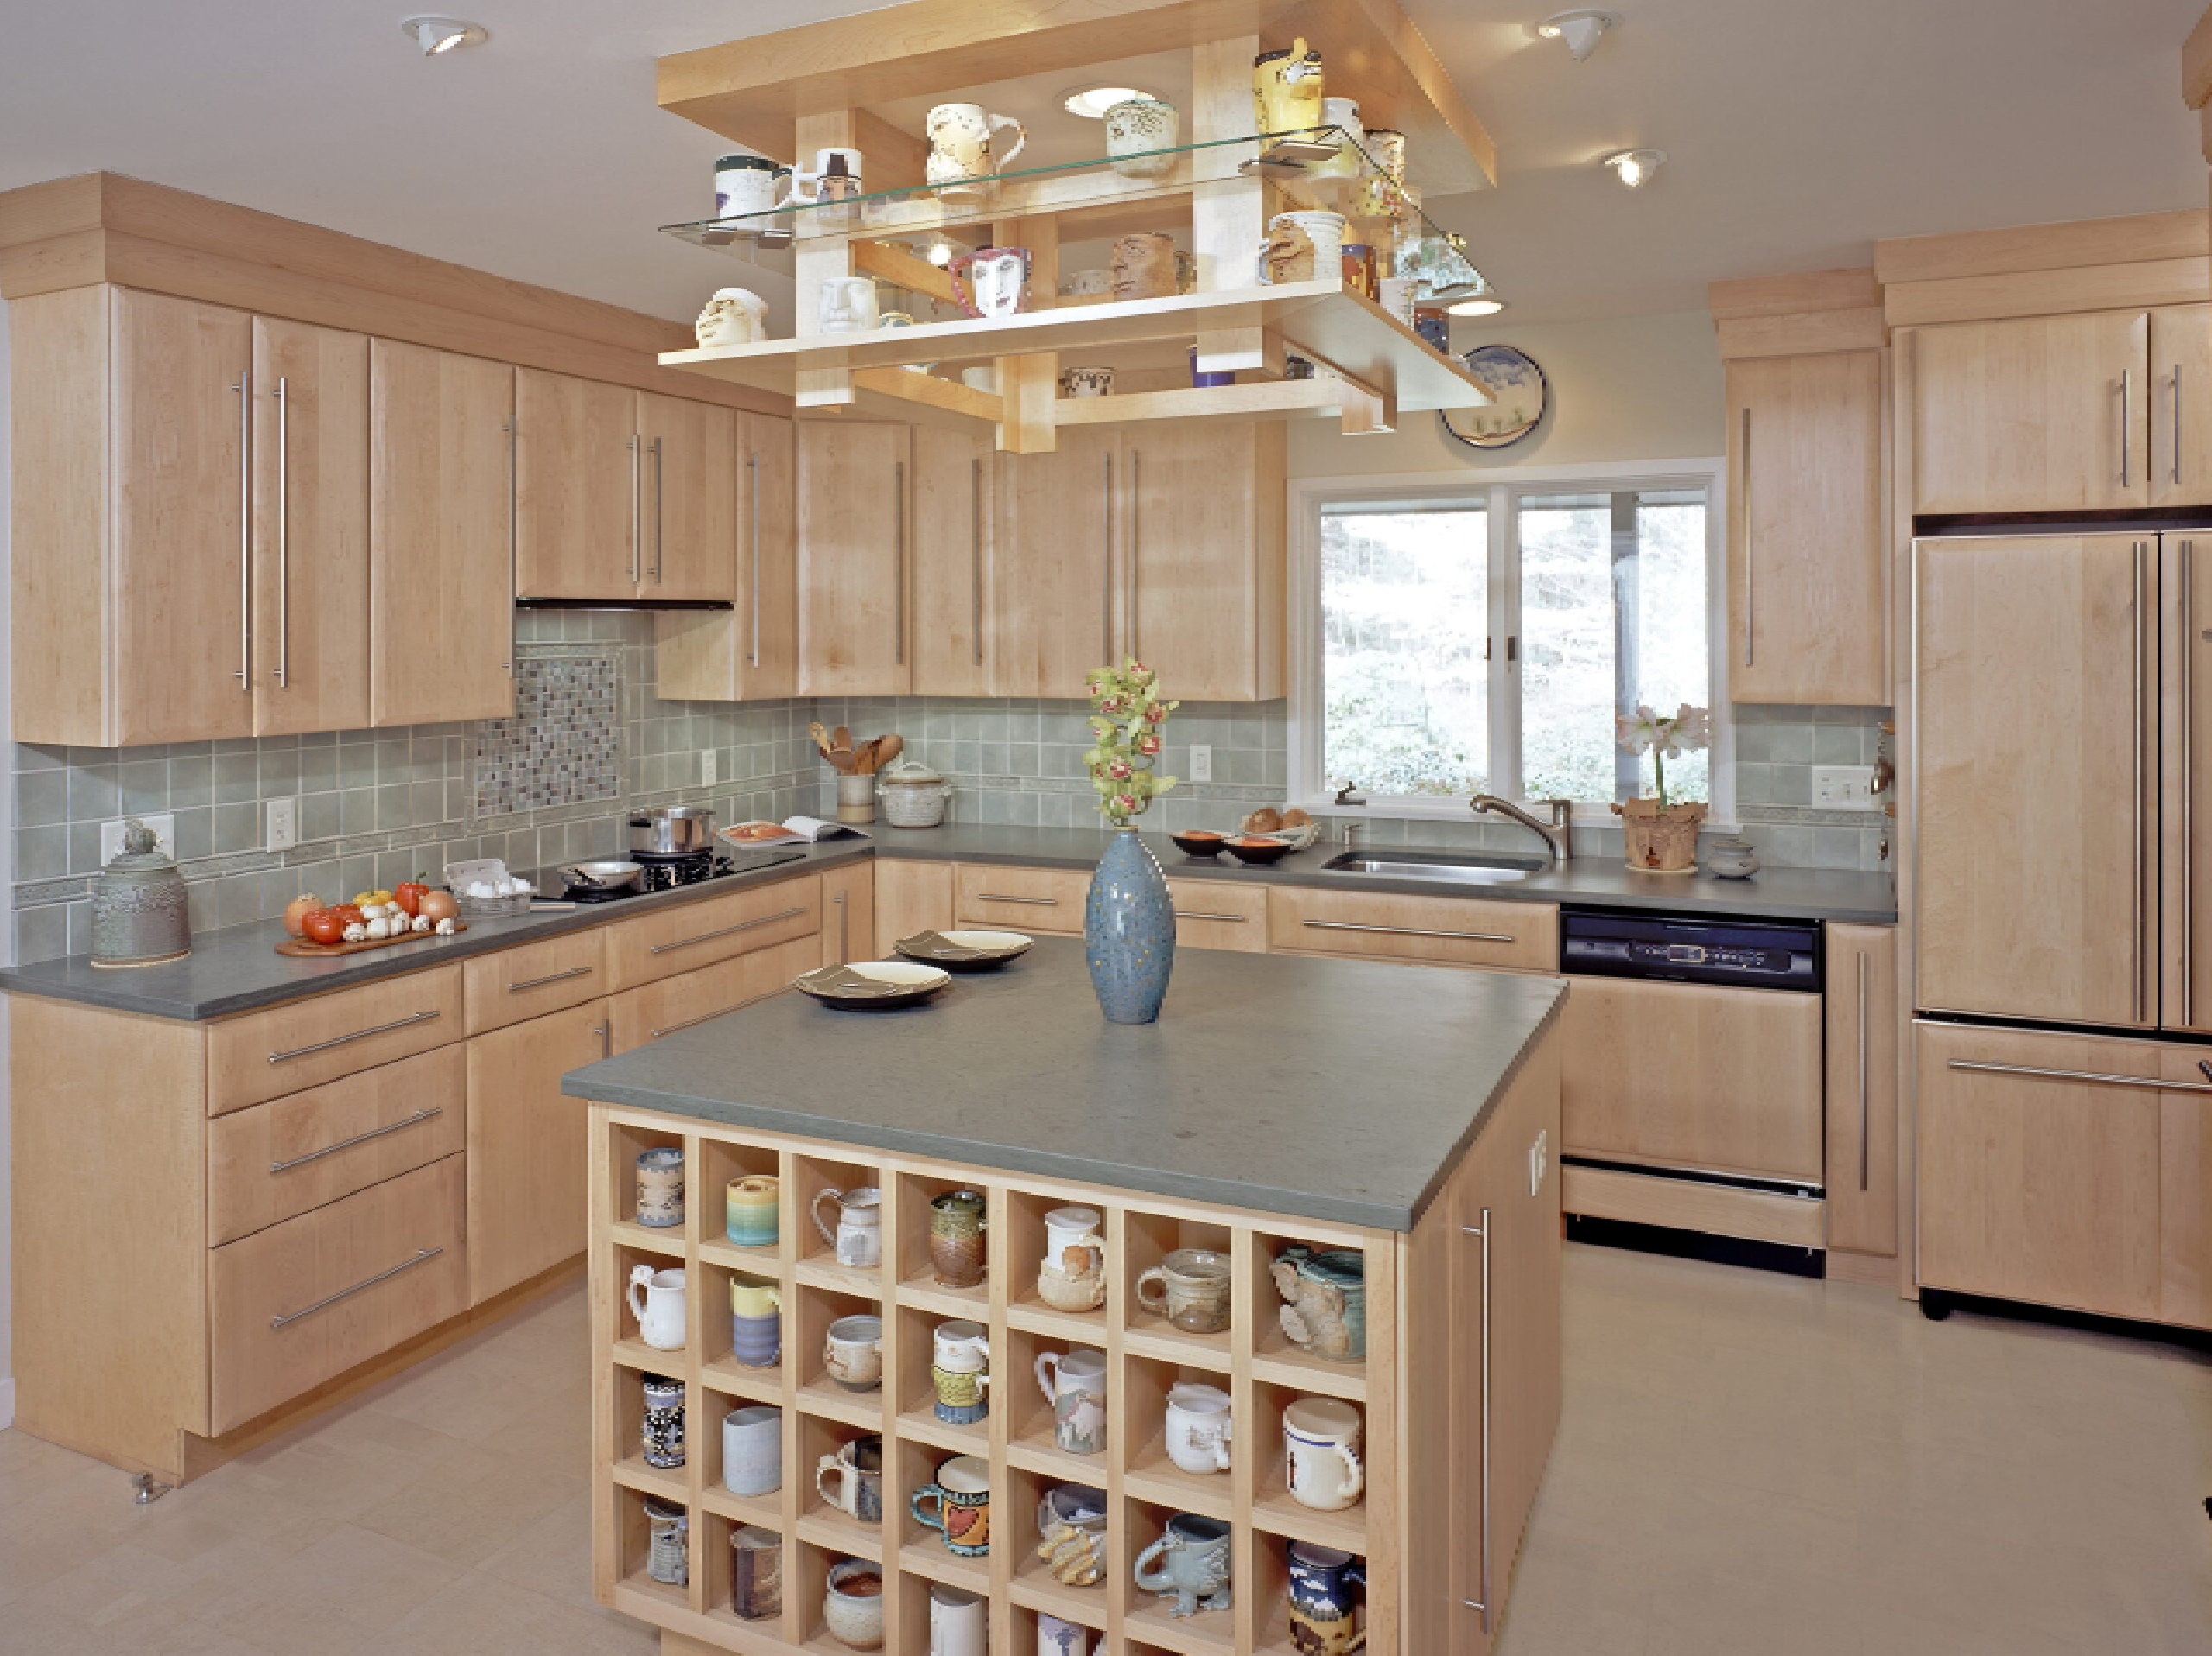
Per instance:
(488,871)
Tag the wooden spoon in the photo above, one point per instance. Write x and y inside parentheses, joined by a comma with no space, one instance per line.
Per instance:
(821,736)
(841,739)
(888,748)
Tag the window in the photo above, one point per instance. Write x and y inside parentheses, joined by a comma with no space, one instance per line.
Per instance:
(1461,642)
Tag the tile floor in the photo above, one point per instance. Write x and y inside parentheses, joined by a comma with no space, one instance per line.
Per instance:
(1748,1463)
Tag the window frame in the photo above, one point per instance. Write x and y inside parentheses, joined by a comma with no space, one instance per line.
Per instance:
(1496,491)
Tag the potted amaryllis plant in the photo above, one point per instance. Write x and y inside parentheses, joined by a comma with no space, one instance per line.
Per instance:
(1129,924)
(1661,833)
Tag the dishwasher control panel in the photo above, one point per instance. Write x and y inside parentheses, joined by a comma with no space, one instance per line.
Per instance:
(1682,948)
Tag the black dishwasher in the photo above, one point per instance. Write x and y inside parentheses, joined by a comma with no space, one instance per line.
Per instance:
(1683,948)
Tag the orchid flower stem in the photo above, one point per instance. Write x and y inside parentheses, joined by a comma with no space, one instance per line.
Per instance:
(1659,766)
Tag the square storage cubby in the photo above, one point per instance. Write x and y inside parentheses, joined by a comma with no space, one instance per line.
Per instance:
(1059,1308)
(1330,1312)
(1148,1468)
(1271,1593)
(921,1546)
(914,1388)
(1032,1418)
(733,1600)
(915,1593)
(634,1546)
(720,1163)
(764,1420)
(629,1345)
(1147,1238)
(733,1354)
(1148,1619)
(1056,1583)
(806,1594)
(625,1143)
(824,1446)
(1027,1637)
(811,1207)
(808,1316)
(916,1259)
(1273,1508)
(630,1466)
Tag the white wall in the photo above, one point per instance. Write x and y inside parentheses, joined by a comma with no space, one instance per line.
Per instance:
(1634,388)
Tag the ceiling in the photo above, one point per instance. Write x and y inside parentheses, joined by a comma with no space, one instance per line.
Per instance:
(1799,131)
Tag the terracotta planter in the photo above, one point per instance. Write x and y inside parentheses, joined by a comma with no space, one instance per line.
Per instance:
(1661,841)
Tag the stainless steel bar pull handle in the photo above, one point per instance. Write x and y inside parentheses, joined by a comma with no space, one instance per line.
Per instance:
(2174,389)
(284,539)
(556,977)
(1749,587)
(1863,1155)
(513,469)
(899,563)
(657,490)
(1409,931)
(606,1033)
(245,388)
(753,488)
(358,1034)
(1106,620)
(1000,896)
(1191,914)
(357,1138)
(709,936)
(1130,574)
(421,1254)
(2127,425)
(1481,1606)
(2093,1075)
(636,505)
(976,558)
(838,897)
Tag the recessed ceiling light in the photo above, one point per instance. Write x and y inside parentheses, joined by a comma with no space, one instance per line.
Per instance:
(438,36)
(1580,31)
(1634,167)
(1092,101)
(1488,305)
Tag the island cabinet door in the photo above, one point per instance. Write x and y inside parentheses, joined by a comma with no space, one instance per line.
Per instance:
(526,1145)
(1862,1089)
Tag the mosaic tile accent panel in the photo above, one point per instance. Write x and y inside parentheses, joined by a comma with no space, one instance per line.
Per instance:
(563,747)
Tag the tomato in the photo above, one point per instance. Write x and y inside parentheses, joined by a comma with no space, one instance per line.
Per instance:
(323,925)
(438,905)
(349,914)
(408,895)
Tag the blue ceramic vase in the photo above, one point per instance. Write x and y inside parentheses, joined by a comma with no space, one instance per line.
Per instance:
(1129,932)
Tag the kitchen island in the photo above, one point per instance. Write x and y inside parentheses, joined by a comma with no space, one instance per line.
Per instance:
(1410,1116)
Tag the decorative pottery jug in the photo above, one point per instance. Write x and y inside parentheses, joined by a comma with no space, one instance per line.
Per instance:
(1194,1568)
(1324,1301)
(1732,858)
(963,148)
(1322,1601)
(992,281)
(138,910)
(1286,89)
(956,1227)
(1129,932)
(657,1301)
(733,316)
(1140,136)
(858,1237)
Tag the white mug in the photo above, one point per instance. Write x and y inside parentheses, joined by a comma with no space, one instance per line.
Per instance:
(1058,1638)
(959,1622)
(753,1449)
(733,316)
(660,1311)
(962,146)
(1320,1439)
(1072,1241)
(962,1347)
(745,184)
(848,304)
(1198,1427)
(859,1236)
(1075,1384)
(1141,138)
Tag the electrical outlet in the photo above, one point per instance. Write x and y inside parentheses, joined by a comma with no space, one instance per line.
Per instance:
(707,768)
(1844,787)
(165,827)
(284,825)
(1201,762)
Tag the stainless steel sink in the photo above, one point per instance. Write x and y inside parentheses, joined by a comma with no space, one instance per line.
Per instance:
(1458,867)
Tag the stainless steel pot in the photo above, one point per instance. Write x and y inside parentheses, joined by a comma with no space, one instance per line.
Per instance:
(602,876)
(672,830)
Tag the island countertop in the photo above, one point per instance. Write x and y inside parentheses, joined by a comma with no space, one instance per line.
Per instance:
(1344,1090)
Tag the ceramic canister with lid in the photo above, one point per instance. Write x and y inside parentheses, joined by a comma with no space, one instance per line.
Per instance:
(913,795)
(138,907)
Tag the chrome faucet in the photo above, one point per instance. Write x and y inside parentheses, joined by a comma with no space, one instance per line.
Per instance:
(1556,836)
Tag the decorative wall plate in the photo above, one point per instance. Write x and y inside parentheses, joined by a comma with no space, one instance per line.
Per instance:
(1512,378)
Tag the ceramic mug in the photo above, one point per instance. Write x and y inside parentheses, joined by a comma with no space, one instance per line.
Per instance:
(668,1542)
(959,1621)
(958,1220)
(854,1604)
(960,1372)
(753,1449)
(1342,114)
(756,1573)
(1194,1290)
(1286,89)
(733,316)
(1084,284)
(960,1502)
(1058,1638)
(992,283)
(1323,1607)
(1071,1532)
(745,184)
(1325,230)
(963,147)
(1198,1427)
(836,176)
(1320,1440)
(853,1352)
(1138,131)
(1073,1241)
(659,1310)
(848,304)
(1325,1300)
(857,1469)
(1358,263)
(983,378)
(1195,1565)
(1395,295)
(756,1305)
(660,1430)
(660,1186)
(1075,1384)
(859,1235)
(1378,195)
(1087,382)
(749,1208)
(1143,266)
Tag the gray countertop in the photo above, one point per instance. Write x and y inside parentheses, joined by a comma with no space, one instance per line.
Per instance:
(237,969)
(1342,1090)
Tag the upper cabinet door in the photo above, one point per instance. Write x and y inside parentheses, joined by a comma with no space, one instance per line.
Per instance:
(1203,566)
(689,451)
(1057,565)
(580,488)
(2034,414)
(311,528)
(2181,405)
(1805,529)
(954,486)
(441,536)
(183,655)
(856,530)
(2036,706)
(749,652)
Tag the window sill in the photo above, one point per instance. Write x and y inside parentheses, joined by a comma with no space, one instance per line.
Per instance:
(1401,808)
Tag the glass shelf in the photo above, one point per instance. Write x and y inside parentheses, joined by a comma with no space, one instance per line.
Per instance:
(1325,167)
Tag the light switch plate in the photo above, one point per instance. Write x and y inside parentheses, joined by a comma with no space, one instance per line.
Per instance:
(707,768)
(1843,787)
(165,827)
(284,825)
(1201,762)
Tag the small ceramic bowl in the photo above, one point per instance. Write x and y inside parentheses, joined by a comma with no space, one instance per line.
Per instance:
(1200,842)
(1256,848)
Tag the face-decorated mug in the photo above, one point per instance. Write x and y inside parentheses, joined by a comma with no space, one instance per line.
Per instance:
(1143,266)
(992,281)
(847,305)
(657,1301)
(733,316)
(1075,1384)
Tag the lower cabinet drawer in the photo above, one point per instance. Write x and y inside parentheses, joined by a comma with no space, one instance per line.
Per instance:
(1214,914)
(266,1163)
(300,1302)
(686,936)
(302,1044)
(658,1009)
(1446,930)
(518,984)
(1022,899)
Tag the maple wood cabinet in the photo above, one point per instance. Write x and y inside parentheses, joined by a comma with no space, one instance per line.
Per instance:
(856,503)
(748,653)
(526,1200)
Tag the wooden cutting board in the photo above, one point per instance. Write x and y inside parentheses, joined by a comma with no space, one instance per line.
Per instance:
(306,949)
